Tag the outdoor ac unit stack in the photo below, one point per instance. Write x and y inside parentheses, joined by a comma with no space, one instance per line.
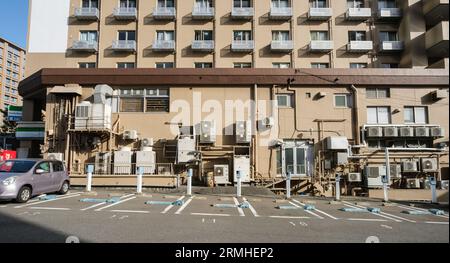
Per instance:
(395,171)
(422,132)
(207,132)
(354,177)
(102,163)
(374,132)
(429,165)
(337,143)
(373,176)
(147,144)
(437,132)
(341,158)
(391,132)
(409,166)
(186,149)
(221,174)
(242,164)
(83,113)
(413,183)
(101,116)
(147,161)
(406,132)
(56,156)
(243,132)
(268,122)
(130,135)
(122,161)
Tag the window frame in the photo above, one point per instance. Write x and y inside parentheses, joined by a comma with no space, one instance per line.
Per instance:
(290,103)
(377,108)
(348,100)
(415,113)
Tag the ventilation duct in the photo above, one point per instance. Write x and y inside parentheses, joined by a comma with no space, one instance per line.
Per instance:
(100,93)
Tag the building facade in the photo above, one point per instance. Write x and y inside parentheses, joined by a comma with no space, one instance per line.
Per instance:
(263,89)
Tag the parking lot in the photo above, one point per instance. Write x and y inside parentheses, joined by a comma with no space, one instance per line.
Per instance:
(156,217)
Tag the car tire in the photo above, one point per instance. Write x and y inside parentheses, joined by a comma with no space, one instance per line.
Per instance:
(64,188)
(24,194)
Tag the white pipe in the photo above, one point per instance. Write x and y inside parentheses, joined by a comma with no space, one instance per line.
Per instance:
(90,170)
(338,188)
(433,190)
(288,186)
(238,177)
(139,180)
(189,182)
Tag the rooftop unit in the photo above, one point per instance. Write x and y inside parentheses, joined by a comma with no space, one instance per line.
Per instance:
(373,176)
(122,161)
(221,174)
(146,160)
(242,164)
(243,132)
(207,132)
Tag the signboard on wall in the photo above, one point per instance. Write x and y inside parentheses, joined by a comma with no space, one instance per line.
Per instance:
(14,113)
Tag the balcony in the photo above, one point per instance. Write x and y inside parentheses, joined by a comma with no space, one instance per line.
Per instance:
(125,13)
(435,11)
(30,130)
(124,45)
(358,14)
(203,13)
(164,45)
(282,46)
(243,45)
(436,40)
(360,46)
(391,46)
(320,13)
(86,13)
(321,46)
(164,13)
(280,13)
(389,13)
(203,45)
(242,12)
(85,46)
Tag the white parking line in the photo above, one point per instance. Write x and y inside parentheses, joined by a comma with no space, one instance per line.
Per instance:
(130,211)
(206,214)
(171,206)
(420,209)
(236,202)
(184,206)
(251,207)
(320,211)
(3,206)
(437,223)
(113,204)
(50,208)
(290,217)
(51,200)
(307,211)
(389,215)
(376,214)
(102,203)
(367,219)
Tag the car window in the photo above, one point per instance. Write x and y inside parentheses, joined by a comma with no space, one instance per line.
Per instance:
(16,166)
(58,167)
(44,166)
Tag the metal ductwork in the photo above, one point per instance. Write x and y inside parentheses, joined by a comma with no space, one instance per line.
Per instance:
(100,93)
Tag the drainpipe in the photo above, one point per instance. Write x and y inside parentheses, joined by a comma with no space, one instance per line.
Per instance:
(355,114)
(255,114)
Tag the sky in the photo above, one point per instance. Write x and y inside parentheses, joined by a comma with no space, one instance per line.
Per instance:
(14,21)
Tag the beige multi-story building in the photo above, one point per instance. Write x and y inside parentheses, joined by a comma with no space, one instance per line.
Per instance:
(12,71)
(264,88)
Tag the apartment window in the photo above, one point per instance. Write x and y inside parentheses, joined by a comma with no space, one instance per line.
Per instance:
(86,65)
(358,65)
(166,3)
(319,35)
(280,3)
(355,3)
(165,35)
(387,4)
(342,101)
(128,3)
(389,65)
(285,100)
(377,93)
(417,115)
(281,36)
(203,65)
(127,35)
(125,65)
(89,36)
(379,115)
(318,3)
(203,3)
(242,65)
(357,35)
(388,36)
(89,4)
(164,65)
(320,65)
(203,35)
(281,65)
(241,3)
(242,35)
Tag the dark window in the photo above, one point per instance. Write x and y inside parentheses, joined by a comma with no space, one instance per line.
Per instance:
(131,105)
(157,105)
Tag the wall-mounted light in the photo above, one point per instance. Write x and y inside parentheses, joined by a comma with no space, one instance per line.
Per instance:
(396,111)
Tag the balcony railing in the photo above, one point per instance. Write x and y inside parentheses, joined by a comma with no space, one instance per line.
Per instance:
(242,12)
(391,13)
(89,13)
(284,45)
(321,45)
(203,45)
(125,13)
(360,46)
(243,45)
(391,46)
(203,12)
(320,13)
(281,12)
(164,13)
(83,45)
(164,45)
(358,13)
(124,45)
